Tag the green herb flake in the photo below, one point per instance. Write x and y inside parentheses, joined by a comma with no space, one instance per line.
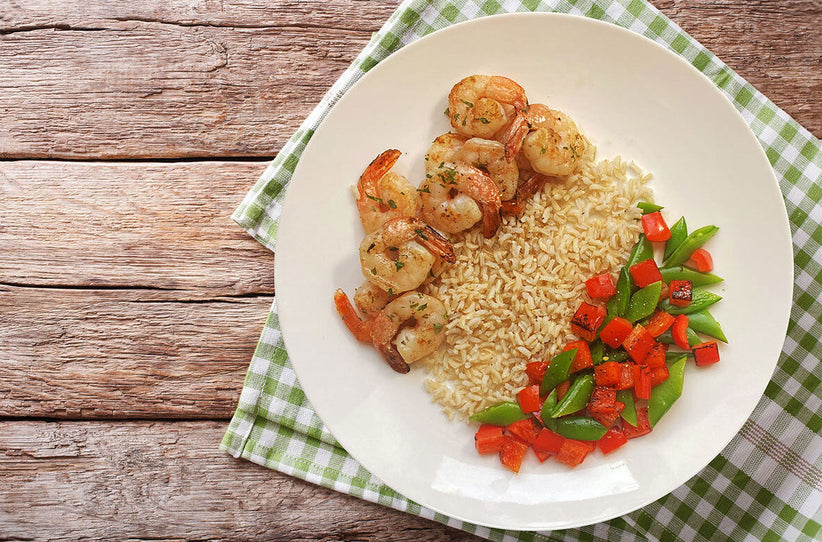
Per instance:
(422,307)
(392,204)
(466,102)
(373,270)
(484,120)
(437,327)
(399,265)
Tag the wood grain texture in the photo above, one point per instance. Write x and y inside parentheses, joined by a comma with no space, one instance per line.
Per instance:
(148,79)
(168,481)
(124,353)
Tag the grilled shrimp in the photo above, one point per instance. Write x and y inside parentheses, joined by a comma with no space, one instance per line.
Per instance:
(384,195)
(371,299)
(398,256)
(443,149)
(456,196)
(553,145)
(483,105)
(489,156)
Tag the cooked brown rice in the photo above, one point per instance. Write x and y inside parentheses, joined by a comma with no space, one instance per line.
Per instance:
(511,298)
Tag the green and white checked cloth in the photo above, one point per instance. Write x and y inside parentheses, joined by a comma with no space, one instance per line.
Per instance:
(767,483)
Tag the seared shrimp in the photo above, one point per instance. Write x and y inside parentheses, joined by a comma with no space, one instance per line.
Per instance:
(443,149)
(361,329)
(409,328)
(398,256)
(384,195)
(489,156)
(456,196)
(371,299)
(554,145)
(483,105)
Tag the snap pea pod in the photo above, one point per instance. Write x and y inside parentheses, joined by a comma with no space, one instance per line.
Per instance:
(557,371)
(701,299)
(668,391)
(580,428)
(694,241)
(577,397)
(704,322)
(629,412)
(504,413)
(647,207)
(643,250)
(547,407)
(619,301)
(679,232)
(597,350)
(668,338)
(609,354)
(683,273)
(643,302)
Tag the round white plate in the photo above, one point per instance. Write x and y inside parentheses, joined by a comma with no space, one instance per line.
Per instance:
(630,97)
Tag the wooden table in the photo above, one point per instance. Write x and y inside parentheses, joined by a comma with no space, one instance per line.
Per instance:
(130,303)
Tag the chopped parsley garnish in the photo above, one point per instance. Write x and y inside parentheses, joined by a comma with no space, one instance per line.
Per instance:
(421,233)
(373,270)
(466,102)
(484,120)
(437,327)
(392,204)
(399,265)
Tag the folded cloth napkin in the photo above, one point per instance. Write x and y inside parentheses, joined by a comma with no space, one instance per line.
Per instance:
(766,484)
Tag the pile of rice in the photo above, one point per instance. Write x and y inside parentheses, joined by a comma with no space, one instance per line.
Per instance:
(510,298)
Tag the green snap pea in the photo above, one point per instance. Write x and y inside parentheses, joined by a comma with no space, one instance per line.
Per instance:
(694,241)
(547,407)
(647,207)
(619,302)
(577,397)
(668,391)
(668,338)
(679,232)
(704,322)
(504,413)
(597,350)
(683,273)
(629,412)
(557,371)
(580,428)
(643,302)
(609,354)
(701,299)
(643,250)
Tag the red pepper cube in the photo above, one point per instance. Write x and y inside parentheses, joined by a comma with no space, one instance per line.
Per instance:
(586,321)
(529,398)
(536,371)
(512,452)
(542,456)
(613,439)
(659,323)
(642,385)
(659,375)
(526,430)
(643,426)
(488,439)
(608,417)
(582,359)
(679,331)
(655,228)
(548,441)
(573,452)
(601,286)
(616,331)
(701,260)
(638,343)
(602,398)
(681,293)
(656,357)
(626,376)
(706,353)
(645,273)
(607,374)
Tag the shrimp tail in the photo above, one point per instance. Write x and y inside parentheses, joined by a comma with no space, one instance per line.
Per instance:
(382,334)
(375,171)
(361,329)
(527,188)
(491,218)
(514,136)
(437,243)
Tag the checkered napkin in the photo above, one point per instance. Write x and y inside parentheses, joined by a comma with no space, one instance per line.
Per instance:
(767,483)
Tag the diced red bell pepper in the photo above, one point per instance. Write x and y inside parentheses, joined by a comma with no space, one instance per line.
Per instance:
(681,293)
(586,321)
(706,353)
(645,273)
(638,343)
(613,439)
(655,228)
(488,439)
(526,430)
(562,389)
(659,375)
(659,323)
(573,452)
(542,456)
(601,286)
(609,416)
(548,441)
(616,331)
(643,426)
(642,386)
(701,259)
(529,398)
(602,398)
(512,452)
(607,374)
(626,376)
(582,359)
(679,331)
(656,357)
(536,371)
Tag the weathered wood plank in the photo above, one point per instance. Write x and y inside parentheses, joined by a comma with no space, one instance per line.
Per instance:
(147,225)
(187,79)
(163,481)
(124,353)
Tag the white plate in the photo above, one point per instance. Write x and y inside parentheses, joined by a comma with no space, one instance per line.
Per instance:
(631,97)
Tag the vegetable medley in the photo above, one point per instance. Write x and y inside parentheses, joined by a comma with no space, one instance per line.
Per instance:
(628,366)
